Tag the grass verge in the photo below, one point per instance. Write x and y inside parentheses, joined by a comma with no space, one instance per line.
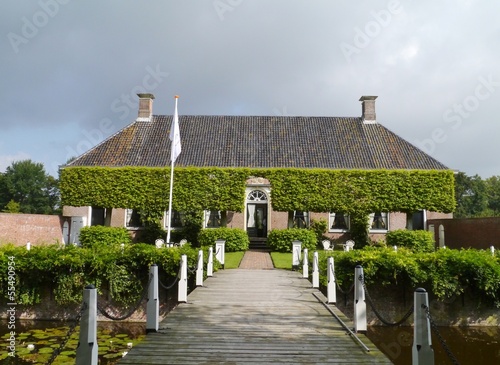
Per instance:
(232,259)
(282,260)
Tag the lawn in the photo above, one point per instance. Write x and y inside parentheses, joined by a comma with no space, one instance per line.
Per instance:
(232,259)
(282,260)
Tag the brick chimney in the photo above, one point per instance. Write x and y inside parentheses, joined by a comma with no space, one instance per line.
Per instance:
(145,107)
(368,108)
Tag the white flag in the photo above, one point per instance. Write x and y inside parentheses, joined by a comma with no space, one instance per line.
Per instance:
(175,135)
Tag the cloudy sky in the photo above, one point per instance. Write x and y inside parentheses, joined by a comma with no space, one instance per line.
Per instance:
(70,69)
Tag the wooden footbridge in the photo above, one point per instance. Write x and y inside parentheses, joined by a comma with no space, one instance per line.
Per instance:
(248,316)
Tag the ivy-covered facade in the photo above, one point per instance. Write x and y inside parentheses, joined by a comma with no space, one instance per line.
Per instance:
(259,174)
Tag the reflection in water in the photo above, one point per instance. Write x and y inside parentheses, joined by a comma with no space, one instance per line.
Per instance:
(469,345)
(37,341)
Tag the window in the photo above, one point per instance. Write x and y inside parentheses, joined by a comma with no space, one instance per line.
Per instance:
(298,219)
(339,221)
(213,219)
(133,219)
(177,220)
(417,220)
(100,216)
(379,221)
(257,196)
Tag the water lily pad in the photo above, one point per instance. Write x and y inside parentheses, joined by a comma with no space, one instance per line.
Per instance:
(46,350)
(40,336)
(22,351)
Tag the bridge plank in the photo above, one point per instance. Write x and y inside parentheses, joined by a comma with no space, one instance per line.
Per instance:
(252,317)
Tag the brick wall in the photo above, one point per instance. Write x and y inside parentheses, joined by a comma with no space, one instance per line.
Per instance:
(479,233)
(35,228)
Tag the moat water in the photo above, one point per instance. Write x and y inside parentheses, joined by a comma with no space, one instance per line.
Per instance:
(469,345)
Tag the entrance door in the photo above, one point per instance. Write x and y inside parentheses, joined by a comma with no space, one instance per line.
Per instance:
(257,220)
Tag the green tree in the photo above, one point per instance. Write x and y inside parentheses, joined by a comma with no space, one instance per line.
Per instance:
(471,195)
(493,193)
(4,198)
(12,207)
(26,183)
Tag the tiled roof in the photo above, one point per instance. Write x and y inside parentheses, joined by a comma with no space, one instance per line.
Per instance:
(260,141)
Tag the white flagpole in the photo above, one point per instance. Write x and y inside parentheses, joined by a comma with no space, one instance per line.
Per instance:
(171,173)
(170,199)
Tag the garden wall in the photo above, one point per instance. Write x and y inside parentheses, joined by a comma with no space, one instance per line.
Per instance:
(478,233)
(393,302)
(34,228)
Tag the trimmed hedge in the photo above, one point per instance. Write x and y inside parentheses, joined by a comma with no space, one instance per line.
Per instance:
(280,240)
(65,271)
(95,236)
(236,238)
(445,273)
(317,190)
(417,241)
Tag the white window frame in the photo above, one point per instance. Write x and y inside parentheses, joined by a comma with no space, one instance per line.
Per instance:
(307,219)
(331,220)
(166,220)
(128,215)
(207,219)
(385,219)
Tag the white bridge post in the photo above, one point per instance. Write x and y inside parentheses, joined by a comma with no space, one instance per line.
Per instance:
(331,289)
(199,269)
(220,246)
(183,276)
(359,301)
(422,351)
(86,352)
(153,305)
(315,274)
(210,264)
(305,264)
(296,250)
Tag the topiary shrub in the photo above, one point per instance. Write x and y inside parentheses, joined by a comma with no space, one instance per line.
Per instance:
(280,240)
(319,227)
(96,236)
(417,241)
(236,238)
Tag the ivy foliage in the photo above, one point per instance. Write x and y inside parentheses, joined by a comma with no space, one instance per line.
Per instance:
(357,192)
(361,191)
(446,273)
(121,274)
(147,189)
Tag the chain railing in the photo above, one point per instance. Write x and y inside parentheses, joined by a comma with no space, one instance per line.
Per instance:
(168,287)
(377,313)
(66,338)
(442,341)
(102,309)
